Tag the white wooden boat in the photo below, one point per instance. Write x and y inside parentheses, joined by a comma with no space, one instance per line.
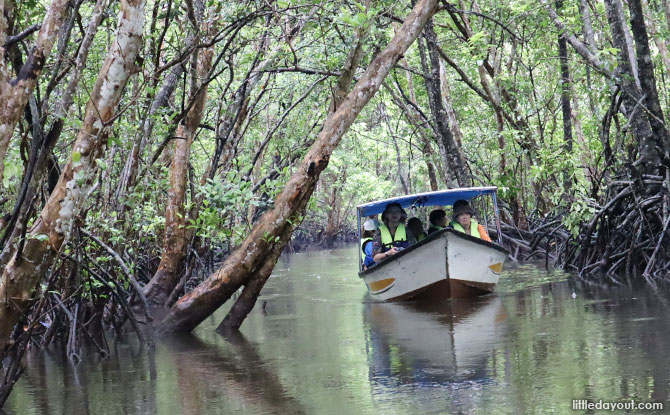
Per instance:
(447,264)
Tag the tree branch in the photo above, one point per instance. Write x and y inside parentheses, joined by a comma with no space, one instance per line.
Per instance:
(17,38)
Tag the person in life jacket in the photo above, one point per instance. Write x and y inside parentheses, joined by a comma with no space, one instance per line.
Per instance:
(369,230)
(437,219)
(416,227)
(464,222)
(393,236)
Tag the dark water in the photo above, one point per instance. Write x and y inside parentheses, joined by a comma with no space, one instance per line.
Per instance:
(314,345)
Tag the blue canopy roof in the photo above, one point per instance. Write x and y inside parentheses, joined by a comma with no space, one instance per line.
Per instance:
(438,198)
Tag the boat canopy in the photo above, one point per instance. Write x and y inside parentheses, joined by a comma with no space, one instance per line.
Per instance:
(438,198)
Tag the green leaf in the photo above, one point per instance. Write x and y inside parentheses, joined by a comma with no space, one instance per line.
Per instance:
(79,177)
(76,156)
(101,163)
(113,140)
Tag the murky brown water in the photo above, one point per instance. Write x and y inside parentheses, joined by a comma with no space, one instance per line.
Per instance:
(314,345)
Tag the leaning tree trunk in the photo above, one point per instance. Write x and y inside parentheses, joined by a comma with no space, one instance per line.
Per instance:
(175,241)
(35,254)
(14,93)
(275,227)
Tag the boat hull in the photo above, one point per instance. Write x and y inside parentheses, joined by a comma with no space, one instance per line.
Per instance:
(447,264)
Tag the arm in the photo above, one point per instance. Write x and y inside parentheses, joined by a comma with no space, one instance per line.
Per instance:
(382,256)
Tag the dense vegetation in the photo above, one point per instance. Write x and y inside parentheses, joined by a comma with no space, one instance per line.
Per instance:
(142,143)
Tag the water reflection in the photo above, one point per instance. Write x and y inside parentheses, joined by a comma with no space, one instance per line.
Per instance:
(51,384)
(207,373)
(433,350)
(449,342)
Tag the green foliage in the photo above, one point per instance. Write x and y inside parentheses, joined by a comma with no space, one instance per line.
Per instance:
(222,202)
(13,169)
(581,212)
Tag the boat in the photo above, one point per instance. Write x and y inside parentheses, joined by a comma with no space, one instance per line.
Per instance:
(446,264)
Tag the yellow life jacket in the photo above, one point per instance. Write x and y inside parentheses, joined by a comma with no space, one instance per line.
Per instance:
(399,239)
(363,241)
(474,227)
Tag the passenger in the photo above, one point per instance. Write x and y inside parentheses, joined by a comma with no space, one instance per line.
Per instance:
(369,230)
(392,237)
(464,222)
(438,220)
(375,220)
(416,227)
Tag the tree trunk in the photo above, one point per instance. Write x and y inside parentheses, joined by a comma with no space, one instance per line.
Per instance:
(584,152)
(333,207)
(14,94)
(632,96)
(31,260)
(587,27)
(43,157)
(630,48)
(274,228)
(451,156)
(647,77)
(659,40)
(449,108)
(565,97)
(428,152)
(174,241)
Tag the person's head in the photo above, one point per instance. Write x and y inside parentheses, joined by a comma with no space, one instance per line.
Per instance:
(463,212)
(415,225)
(394,213)
(369,228)
(438,217)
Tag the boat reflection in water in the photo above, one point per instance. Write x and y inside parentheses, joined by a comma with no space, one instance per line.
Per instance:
(432,344)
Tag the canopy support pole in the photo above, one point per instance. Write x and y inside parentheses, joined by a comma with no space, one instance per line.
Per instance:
(495,208)
(484,208)
(360,260)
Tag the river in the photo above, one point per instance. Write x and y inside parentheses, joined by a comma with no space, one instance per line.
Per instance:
(314,344)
